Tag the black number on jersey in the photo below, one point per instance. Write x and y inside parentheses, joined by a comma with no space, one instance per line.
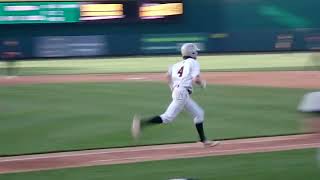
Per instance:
(180,72)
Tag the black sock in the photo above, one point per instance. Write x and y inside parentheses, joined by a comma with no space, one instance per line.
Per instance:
(151,121)
(200,130)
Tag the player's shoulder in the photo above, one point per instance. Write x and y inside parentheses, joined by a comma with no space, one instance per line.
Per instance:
(192,62)
(176,64)
(189,61)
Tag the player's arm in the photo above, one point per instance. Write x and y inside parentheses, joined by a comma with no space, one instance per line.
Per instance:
(196,78)
(169,80)
(199,81)
(168,77)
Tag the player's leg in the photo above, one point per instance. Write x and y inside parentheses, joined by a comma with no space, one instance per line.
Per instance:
(198,118)
(138,124)
(179,97)
(168,116)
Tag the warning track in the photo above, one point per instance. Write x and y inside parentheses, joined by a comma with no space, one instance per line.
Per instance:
(291,79)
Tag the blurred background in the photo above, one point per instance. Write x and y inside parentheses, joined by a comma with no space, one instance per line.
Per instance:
(36,29)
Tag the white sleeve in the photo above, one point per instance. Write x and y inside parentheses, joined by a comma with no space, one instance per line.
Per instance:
(170,77)
(195,70)
(170,70)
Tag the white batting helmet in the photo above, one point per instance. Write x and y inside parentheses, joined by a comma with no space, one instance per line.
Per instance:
(189,49)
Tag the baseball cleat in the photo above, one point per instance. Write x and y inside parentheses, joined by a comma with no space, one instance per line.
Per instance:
(135,129)
(208,143)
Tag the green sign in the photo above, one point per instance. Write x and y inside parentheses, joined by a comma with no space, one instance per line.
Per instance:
(39,12)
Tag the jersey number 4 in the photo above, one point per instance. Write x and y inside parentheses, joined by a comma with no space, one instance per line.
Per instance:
(180,72)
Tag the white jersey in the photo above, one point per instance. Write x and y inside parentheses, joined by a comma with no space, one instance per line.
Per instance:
(183,72)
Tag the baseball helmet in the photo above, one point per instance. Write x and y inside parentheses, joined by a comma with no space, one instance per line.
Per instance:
(189,49)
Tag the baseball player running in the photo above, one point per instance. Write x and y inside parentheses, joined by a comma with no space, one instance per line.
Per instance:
(181,76)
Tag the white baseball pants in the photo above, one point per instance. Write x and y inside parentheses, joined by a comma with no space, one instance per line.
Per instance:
(181,100)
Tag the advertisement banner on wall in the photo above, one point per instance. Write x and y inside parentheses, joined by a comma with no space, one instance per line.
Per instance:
(12,48)
(39,12)
(70,46)
(76,11)
(171,43)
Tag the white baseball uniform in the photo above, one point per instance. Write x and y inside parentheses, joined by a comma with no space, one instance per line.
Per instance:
(182,74)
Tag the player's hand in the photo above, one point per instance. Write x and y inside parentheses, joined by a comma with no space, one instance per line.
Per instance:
(203,84)
(171,87)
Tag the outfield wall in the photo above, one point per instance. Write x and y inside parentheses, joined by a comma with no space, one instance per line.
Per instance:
(216,26)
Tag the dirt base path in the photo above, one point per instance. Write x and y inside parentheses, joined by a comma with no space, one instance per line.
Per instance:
(150,153)
(292,79)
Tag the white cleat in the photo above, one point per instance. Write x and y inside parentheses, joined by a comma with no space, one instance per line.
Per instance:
(208,143)
(135,129)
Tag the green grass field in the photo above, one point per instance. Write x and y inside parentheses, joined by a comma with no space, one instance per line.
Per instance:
(261,62)
(60,117)
(286,165)
(55,117)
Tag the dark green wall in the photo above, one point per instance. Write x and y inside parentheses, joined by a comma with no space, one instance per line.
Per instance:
(200,16)
(248,25)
